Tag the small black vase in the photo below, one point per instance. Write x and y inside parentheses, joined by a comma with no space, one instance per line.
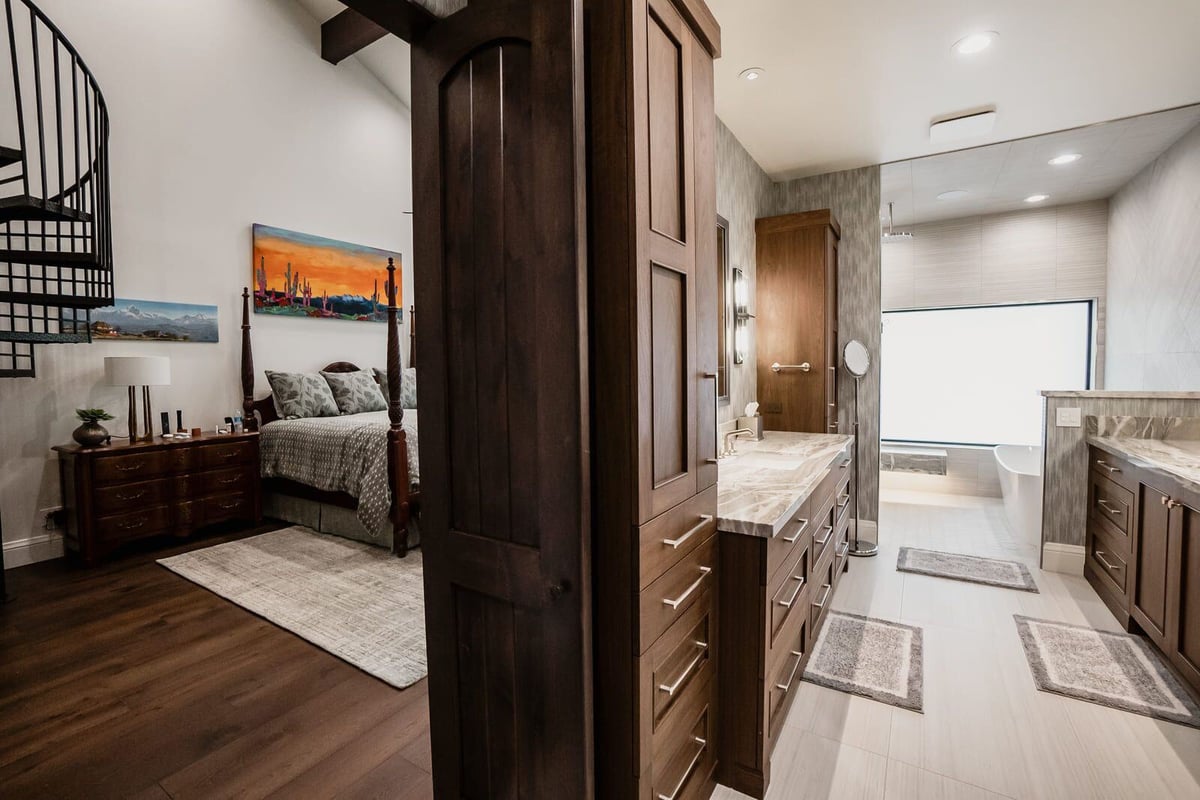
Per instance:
(90,434)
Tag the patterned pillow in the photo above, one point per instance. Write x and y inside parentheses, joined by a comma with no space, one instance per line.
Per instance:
(301,394)
(355,392)
(408,386)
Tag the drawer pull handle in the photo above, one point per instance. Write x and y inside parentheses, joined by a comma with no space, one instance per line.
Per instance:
(132,526)
(687,773)
(786,687)
(1105,505)
(228,481)
(229,506)
(841,503)
(844,464)
(672,688)
(1110,567)
(788,603)
(799,532)
(131,467)
(1111,470)
(674,543)
(678,601)
(845,550)
(128,497)
(824,596)
(828,532)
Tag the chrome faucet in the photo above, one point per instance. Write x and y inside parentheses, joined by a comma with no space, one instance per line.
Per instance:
(728,450)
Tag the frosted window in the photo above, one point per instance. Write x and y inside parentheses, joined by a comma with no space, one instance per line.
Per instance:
(975,375)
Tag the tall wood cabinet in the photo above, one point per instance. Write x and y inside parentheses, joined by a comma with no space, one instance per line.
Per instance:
(797,321)
(653,344)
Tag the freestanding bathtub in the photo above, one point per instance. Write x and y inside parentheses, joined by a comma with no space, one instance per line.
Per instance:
(1020,469)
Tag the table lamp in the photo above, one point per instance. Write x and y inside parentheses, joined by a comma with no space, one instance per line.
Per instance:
(134,371)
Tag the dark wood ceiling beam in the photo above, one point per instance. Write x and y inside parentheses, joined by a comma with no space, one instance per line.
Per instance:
(403,18)
(347,33)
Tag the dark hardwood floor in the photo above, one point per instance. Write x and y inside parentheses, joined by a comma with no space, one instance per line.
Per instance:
(129,681)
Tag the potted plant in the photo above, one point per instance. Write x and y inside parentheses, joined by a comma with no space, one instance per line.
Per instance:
(91,433)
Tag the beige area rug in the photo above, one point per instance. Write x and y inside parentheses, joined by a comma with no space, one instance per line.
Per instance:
(359,602)
(870,657)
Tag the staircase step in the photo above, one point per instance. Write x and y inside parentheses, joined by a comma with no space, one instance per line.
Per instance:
(9,155)
(53,301)
(34,209)
(48,259)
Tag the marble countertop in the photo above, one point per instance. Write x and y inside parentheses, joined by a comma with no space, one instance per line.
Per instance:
(1112,395)
(764,485)
(1175,458)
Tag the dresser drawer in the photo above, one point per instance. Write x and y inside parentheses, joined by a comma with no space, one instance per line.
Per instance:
(794,536)
(130,497)
(1110,503)
(128,468)
(822,593)
(789,596)
(673,534)
(1116,469)
(683,766)
(784,680)
(223,481)
(219,508)
(182,458)
(219,455)
(134,525)
(1106,559)
(675,669)
(665,600)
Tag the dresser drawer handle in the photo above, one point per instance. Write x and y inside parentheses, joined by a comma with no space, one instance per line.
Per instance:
(699,526)
(786,687)
(1105,505)
(688,591)
(828,532)
(788,603)
(1111,470)
(131,467)
(132,526)
(1110,567)
(799,532)
(228,481)
(824,596)
(672,688)
(687,773)
(843,500)
(229,506)
(230,453)
(128,497)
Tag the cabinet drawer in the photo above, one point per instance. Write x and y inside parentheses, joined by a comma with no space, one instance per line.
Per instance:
(783,546)
(822,593)
(134,525)
(789,596)
(218,455)
(665,600)
(183,458)
(784,682)
(227,506)
(130,497)
(1116,469)
(675,668)
(682,767)
(673,534)
(223,481)
(1106,559)
(134,467)
(1110,503)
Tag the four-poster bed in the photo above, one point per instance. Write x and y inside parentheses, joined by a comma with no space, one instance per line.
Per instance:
(404,495)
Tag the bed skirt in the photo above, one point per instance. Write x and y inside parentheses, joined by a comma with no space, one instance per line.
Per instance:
(326,518)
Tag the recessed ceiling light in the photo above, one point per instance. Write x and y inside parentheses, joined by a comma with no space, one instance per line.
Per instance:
(752,73)
(1065,158)
(953,194)
(975,43)
(1037,198)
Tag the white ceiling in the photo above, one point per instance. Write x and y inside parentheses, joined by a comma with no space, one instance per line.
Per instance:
(857,82)
(999,177)
(387,59)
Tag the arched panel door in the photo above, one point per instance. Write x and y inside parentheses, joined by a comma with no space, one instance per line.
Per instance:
(500,282)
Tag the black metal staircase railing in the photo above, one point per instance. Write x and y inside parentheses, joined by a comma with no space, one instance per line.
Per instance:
(55,212)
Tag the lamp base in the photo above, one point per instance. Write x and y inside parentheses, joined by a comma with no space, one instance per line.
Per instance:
(864,549)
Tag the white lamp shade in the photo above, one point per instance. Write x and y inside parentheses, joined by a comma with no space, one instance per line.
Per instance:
(137,370)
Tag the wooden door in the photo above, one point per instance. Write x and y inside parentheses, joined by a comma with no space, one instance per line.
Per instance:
(500,281)
(1149,606)
(1183,645)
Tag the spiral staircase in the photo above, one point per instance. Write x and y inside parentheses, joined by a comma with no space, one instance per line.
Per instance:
(55,213)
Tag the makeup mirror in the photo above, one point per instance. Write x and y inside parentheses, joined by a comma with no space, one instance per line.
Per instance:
(856,358)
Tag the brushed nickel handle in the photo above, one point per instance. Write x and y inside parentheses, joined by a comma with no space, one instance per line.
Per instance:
(1110,509)
(1110,567)
(845,463)
(788,603)
(833,426)
(687,773)
(786,687)
(799,532)
(1101,463)
(704,571)
(671,688)
(1173,503)
(716,413)
(804,367)
(843,499)
(674,543)
(828,532)
(828,587)
(845,550)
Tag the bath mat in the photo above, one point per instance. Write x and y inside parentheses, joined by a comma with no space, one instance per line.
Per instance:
(962,567)
(359,602)
(869,657)
(1112,669)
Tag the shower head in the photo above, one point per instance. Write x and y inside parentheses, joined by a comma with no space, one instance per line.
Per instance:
(890,235)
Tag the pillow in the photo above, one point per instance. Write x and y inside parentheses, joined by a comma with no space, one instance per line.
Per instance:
(408,386)
(301,394)
(354,392)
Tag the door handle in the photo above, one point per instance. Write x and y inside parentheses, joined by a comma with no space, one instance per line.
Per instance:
(805,367)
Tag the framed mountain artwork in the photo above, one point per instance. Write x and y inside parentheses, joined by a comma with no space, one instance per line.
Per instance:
(154,321)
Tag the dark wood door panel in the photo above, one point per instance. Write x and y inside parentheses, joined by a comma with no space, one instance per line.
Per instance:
(1184,647)
(669,372)
(667,60)
(1149,605)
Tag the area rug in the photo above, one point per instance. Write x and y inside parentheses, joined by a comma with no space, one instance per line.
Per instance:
(870,657)
(962,567)
(1113,669)
(359,602)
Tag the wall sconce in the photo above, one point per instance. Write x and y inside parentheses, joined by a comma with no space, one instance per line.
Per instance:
(741,316)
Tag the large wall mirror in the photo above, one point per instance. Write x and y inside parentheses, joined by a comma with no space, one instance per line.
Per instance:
(724,310)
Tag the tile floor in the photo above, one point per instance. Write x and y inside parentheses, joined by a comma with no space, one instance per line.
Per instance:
(986,731)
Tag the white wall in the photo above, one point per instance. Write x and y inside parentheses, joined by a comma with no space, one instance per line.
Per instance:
(223,115)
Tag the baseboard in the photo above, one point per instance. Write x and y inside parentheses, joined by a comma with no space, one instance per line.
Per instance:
(43,547)
(1066,558)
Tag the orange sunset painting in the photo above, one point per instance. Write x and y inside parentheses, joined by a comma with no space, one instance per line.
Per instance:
(296,274)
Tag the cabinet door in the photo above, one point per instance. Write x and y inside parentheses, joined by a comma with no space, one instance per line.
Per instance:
(1184,642)
(1150,574)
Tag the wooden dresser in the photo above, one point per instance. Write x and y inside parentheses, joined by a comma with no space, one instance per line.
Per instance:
(129,491)
(653,343)
(797,321)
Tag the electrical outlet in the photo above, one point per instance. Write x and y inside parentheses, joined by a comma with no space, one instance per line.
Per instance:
(1069,418)
(53,518)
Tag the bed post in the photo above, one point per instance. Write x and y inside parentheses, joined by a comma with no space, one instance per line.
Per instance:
(397,441)
(248,419)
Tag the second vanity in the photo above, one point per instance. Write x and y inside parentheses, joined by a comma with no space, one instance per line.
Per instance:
(783,516)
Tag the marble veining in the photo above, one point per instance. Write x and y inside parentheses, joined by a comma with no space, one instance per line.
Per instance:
(1185,428)
(1097,394)
(1175,458)
(763,486)
(917,460)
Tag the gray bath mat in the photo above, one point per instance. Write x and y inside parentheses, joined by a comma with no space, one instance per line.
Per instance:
(870,657)
(962,567)
(1113,669)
